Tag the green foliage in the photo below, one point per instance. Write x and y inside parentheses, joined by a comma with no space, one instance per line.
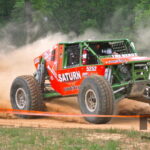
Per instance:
(118,18)
(111,145)
(142,13)
(71,139)
(6,8)
(18,7)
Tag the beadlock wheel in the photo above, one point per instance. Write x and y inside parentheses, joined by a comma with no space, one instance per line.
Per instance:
(26,94)
(90,100)
(21,98)
(96,98)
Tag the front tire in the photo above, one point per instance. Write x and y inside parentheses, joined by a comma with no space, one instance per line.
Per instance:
(26,94)
(96,97)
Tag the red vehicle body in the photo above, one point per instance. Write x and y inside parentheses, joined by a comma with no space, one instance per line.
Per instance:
(67,81)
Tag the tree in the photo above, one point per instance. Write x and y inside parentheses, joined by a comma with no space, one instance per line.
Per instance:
(142,13)
(6,9)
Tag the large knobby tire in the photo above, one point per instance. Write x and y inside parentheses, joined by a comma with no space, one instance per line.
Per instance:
(25,94)
(96,97)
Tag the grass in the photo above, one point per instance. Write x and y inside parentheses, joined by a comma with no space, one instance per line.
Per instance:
(71,139)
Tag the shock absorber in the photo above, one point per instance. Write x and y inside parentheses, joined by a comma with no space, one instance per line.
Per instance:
(40,73)
(108,74)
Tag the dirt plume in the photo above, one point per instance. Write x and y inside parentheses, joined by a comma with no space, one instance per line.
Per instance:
(19,61)
(142,40)
(65,105)
(132,107)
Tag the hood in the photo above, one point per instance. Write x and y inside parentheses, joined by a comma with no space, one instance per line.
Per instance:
(122,60)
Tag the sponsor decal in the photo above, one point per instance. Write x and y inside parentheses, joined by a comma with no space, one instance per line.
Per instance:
(71,88)
(116,61)
(72,76)
(124,55)
(91,68)
(52,71)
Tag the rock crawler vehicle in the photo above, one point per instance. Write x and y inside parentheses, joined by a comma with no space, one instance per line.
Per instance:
(99,73)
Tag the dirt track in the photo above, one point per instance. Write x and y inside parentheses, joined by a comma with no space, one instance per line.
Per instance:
(70,105)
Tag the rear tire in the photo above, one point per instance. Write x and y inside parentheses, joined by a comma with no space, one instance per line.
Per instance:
(26,94)
(96,97)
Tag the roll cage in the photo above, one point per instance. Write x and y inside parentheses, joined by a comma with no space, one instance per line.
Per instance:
(73,52)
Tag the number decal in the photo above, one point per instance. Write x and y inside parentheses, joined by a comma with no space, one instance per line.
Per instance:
(90,68)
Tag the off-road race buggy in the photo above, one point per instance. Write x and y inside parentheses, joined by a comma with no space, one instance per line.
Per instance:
(100,73)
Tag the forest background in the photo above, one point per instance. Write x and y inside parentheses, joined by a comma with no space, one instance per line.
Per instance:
(24,21)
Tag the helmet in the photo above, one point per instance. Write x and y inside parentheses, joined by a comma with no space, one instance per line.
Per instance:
(107,51)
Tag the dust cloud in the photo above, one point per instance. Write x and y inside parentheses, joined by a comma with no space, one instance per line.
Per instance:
(143,40)
(132,107)
(19,61)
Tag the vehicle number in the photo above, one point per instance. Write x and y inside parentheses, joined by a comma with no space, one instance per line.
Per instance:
(91,68)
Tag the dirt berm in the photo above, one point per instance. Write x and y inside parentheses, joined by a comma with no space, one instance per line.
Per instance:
(70,105)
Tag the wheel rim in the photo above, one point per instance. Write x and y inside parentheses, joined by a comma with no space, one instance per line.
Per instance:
(90,100)
(147,92)
(20,98)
